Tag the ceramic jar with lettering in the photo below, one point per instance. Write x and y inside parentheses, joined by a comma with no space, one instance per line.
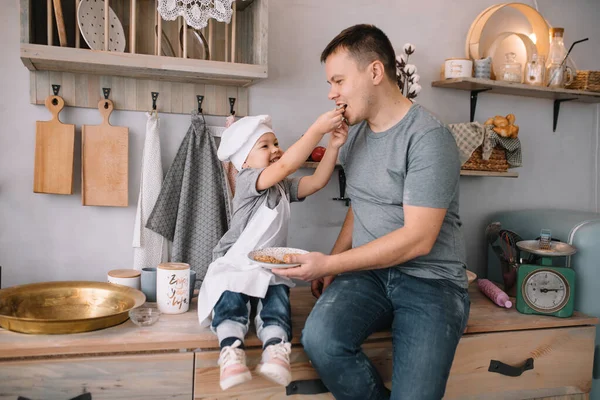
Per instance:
(458,68)
(173,287)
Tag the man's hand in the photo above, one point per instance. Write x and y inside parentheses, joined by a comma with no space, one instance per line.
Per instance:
(312,266)
(318,286)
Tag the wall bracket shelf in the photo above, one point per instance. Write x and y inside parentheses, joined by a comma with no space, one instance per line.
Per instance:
(476,86)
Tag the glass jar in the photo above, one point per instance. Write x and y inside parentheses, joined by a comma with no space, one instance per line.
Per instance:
(511,71)
(556,69)
(535,70)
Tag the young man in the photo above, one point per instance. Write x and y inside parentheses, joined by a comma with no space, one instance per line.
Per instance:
(399,260)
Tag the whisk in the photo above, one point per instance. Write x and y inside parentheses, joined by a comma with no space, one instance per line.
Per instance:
(508,243)
(504,244)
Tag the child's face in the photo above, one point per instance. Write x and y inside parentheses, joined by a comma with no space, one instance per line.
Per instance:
(265,152)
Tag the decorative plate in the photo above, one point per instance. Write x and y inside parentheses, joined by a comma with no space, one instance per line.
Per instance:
(90,17)
(274,255)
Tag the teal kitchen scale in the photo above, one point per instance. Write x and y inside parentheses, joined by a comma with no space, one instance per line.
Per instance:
(544,288)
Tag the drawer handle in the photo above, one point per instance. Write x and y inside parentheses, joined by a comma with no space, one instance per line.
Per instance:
(307,386)
(84,396)
(508,370)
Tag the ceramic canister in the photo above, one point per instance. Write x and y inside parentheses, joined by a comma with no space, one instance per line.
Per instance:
(458,68)
(127,277)
(148,284)
(173,287)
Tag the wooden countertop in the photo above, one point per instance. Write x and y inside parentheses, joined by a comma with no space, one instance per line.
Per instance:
(183,332)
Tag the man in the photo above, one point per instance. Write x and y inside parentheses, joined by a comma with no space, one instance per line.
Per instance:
(400,256)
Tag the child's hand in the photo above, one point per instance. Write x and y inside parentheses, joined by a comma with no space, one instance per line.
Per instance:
(339,136)
(329,121)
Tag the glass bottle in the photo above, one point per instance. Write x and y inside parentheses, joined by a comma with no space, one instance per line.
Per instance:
(555,69)
(511,72)
(535,70)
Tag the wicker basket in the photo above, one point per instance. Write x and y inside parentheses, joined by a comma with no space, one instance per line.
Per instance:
(496,163)
(586,81)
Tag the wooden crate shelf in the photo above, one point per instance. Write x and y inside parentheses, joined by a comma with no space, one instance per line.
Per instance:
(238,58)
(64,59)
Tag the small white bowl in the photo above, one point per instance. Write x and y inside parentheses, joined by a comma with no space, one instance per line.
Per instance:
(144,316)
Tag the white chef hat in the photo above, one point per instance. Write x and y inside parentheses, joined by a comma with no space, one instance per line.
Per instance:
(240,137)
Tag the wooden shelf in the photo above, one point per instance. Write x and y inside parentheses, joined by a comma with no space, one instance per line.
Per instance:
(476,86)
(463,172)
(141,66)
(517,89)
(314,165)
(509,174)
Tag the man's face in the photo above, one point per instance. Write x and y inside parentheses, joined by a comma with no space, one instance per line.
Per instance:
(349,85)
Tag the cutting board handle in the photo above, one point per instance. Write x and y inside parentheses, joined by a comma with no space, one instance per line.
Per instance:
(54,104)
(105,107)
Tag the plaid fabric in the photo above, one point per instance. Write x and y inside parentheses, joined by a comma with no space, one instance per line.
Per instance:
(192,208)
(511,145)
(470,135)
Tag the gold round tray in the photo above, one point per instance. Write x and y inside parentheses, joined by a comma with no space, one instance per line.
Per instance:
(66,307)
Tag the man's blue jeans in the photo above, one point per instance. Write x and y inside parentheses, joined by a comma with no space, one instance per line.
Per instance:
(427,318)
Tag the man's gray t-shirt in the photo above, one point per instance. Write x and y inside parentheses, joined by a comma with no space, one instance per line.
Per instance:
(247,201)
(414,163)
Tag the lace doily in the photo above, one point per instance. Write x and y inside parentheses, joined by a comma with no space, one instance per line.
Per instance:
(195,12)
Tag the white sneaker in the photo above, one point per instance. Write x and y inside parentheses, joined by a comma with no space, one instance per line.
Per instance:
(275,363)
(233,366)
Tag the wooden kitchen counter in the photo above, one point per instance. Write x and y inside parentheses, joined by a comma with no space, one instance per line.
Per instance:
(182,331)
(562,350)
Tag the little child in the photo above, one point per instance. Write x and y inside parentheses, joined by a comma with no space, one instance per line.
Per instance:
(261,214)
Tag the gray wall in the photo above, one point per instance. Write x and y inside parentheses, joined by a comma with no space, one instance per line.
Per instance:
(50,237)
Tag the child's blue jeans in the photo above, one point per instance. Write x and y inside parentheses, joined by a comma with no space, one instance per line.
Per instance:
(273,320)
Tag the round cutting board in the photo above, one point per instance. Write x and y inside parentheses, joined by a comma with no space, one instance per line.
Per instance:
(90,17)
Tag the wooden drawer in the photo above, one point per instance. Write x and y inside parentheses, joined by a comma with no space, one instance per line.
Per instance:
(157,376)
(563,360)
(206,379)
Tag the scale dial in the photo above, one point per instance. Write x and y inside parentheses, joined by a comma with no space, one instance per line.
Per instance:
(546,291)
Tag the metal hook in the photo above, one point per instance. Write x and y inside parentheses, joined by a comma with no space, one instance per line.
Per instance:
(154,97)
(106,92)
(200,99)
(231,104)
(55,89)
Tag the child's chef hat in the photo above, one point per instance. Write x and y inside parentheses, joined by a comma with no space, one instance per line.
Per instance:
(240,137)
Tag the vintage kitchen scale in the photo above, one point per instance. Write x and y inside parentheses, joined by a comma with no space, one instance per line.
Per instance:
(542,287)
(539,284)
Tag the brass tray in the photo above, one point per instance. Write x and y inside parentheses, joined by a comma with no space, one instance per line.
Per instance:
(66,307)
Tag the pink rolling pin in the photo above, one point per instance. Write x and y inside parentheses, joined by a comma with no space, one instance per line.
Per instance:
(494,293)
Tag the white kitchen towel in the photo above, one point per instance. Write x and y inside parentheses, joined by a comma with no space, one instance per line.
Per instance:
(148,246)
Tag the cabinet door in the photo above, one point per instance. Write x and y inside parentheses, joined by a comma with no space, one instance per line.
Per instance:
(149,377)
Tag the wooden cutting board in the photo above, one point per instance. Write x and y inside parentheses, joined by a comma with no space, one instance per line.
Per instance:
(104,161)
(54,147)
